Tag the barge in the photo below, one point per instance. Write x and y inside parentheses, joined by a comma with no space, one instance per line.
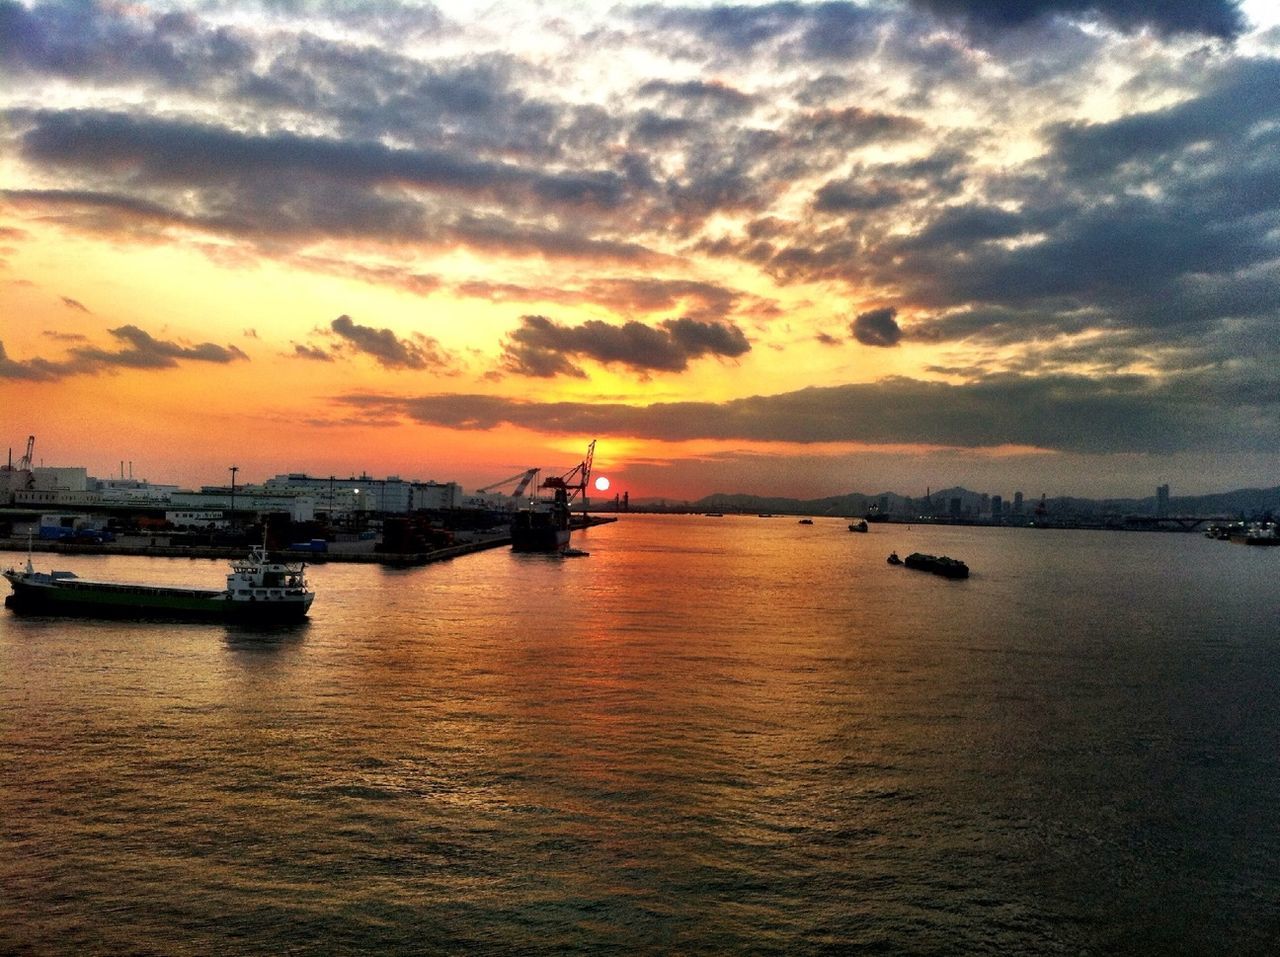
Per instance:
(258,590)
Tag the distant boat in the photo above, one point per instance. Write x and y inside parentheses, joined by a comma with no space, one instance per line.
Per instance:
(893,559)
(258,589)
(570,552)
(714,514)
(858,526)
(938,564)
(805,521)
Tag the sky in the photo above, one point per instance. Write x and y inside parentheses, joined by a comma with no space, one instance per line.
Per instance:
(780,248)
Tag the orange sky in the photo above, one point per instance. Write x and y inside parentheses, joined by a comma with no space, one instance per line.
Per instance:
(796,250)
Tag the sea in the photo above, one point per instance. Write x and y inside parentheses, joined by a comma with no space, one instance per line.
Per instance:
(708,736)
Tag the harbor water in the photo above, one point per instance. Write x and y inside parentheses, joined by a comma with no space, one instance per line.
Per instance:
(712,735)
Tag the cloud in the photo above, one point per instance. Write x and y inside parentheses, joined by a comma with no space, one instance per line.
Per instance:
(877,328)
(32,370)
(1063,412)
(542,348)
(721,98)
(384,346)
(821,31)
(141,351)
(88,41)
(172,152)
(314,353)
(144,351)
(1216,18)
(75,304)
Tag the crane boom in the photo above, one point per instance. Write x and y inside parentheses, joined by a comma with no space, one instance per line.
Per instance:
(523,478)
(574,481)
(24,463)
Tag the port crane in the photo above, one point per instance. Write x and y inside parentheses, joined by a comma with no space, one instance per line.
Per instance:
(24,463)
(522,480)
(573,482)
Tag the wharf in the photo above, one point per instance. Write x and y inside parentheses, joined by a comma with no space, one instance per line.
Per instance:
(482,542)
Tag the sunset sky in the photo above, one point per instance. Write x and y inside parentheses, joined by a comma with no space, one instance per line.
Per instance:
(782,248)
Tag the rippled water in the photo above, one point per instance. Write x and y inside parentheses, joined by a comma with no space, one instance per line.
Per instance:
(711,735)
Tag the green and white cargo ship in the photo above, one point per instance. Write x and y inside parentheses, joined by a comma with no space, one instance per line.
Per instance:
(258,590)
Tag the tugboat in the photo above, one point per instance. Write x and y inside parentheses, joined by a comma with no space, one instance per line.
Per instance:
(859,526)
(544,525)
(258,590)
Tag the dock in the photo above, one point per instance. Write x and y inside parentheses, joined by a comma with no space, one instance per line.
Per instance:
(480,542)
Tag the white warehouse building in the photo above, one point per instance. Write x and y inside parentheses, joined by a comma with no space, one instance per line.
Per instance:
(392,494)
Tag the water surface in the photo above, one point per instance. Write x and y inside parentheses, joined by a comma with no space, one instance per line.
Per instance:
(711,735)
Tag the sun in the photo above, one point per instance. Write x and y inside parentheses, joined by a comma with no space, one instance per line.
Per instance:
(602,484)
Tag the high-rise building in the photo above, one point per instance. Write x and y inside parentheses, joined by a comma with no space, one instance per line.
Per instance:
(1017,503)
(997,507)
(1162,501)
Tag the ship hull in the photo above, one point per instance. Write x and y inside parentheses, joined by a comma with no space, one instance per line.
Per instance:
(141,603)
(539,539)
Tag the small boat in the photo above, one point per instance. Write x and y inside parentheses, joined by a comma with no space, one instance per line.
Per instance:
(573,553)
(938,564)
(893,559)
(714,514)
(858,526)
(258,590)
(805,521)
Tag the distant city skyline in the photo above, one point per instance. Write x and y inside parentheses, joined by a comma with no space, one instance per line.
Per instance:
(1012,502)
(779,248)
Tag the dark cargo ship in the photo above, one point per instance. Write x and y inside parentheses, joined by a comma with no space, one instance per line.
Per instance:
(544,525)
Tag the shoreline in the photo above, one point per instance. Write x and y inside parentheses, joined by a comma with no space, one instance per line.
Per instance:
(484,543)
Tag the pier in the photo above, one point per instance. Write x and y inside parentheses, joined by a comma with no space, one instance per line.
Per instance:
(481,541)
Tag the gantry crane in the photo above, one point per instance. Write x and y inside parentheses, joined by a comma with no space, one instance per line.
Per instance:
(573,482)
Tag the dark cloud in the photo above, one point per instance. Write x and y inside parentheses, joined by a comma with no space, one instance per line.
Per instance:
(722,98)
(1235,106)
(1216,18)
(168,153)
(140,351)
(542,348)
(144,351)
(100,41)
(76,305)
(314,353)
(831,30)
(857,197)
(878,327)
(389,350)
(32,370)
(852,126)
(1065,413)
